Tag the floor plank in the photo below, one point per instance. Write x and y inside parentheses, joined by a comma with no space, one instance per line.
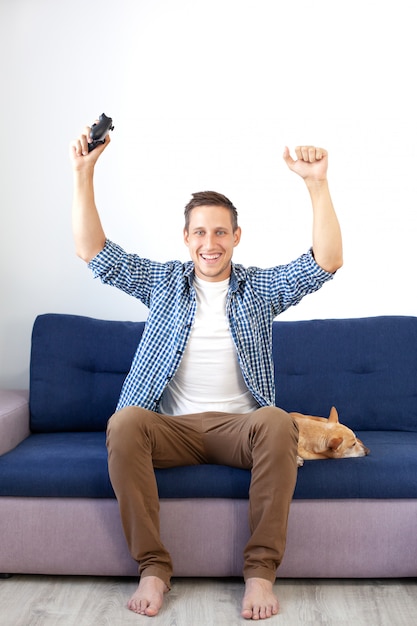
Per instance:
(96,601)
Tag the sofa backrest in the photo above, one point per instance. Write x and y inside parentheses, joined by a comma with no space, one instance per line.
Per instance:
(366,367)
(78,365)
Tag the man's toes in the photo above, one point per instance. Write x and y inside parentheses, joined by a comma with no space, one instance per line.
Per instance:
(151,610)
(133,606)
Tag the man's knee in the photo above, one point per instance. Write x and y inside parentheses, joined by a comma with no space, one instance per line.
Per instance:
(277,423)
(125,425)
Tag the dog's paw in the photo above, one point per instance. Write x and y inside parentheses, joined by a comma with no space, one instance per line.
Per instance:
(300,461)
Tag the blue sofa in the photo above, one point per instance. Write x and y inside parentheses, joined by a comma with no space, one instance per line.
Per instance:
(349,518)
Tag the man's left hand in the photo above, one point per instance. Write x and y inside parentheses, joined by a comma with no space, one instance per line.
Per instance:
(311,162)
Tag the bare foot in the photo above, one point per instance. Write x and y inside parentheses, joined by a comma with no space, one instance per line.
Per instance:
(148,597)
(259,601)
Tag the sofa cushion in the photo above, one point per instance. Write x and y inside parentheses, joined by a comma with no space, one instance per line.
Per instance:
(366,367)
(75,465)
(78,365)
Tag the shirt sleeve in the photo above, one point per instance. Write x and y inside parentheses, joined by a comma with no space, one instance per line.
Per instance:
(131,273)
(106,258)
(286,285)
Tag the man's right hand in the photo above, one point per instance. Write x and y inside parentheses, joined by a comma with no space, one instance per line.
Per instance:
(79,155)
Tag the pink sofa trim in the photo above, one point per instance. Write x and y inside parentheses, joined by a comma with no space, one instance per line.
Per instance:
(326,539)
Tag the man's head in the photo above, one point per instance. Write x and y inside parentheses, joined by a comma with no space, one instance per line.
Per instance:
(211,233)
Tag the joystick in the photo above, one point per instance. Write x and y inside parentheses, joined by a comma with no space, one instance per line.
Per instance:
(99,131)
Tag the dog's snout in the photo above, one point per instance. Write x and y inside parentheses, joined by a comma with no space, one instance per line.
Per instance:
(366,450)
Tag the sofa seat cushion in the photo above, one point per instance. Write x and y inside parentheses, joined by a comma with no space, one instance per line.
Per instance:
(75,465)
(390,470)
(57,465)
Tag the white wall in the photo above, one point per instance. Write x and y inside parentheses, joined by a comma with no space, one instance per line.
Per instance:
(204,95)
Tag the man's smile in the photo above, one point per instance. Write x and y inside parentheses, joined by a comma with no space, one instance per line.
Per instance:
(210,258)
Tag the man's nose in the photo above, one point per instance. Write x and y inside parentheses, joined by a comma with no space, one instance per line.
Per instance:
(210,240)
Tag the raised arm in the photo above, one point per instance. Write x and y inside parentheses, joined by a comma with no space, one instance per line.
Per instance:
(88,232)
(311,164)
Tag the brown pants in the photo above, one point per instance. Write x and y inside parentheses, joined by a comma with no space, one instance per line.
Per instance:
(264,441)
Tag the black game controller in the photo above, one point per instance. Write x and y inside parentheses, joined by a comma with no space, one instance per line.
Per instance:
(99,131)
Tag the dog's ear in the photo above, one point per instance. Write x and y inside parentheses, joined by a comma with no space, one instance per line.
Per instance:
(334,416)
(335,443)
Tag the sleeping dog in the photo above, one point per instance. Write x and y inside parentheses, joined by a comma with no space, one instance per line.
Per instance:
(321,438)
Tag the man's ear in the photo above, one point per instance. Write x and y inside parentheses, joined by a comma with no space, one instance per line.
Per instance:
(237,235)
(186,237)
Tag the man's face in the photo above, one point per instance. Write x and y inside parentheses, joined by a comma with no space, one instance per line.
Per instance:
(210,240)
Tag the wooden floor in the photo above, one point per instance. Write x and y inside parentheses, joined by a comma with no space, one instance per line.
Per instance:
(95,601)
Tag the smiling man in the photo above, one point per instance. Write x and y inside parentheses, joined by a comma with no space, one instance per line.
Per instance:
(201,385)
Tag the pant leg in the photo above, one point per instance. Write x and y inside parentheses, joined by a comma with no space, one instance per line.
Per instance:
(139,440)
(264,441)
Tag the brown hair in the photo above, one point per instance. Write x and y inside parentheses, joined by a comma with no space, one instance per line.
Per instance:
(210,198)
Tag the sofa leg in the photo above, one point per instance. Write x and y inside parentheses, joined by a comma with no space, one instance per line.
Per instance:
(4,576)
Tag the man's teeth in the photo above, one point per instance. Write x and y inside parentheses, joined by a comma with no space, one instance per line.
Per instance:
(210,257)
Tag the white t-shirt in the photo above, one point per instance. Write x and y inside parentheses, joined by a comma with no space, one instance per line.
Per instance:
(209,377)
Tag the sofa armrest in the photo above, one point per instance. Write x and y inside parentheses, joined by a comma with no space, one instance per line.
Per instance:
(14,418)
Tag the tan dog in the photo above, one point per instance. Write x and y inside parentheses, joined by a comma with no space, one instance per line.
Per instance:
(321,438)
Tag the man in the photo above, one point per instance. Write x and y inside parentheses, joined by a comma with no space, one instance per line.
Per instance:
(201,385)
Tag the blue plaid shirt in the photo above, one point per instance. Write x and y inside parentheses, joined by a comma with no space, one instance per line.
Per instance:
(255,297)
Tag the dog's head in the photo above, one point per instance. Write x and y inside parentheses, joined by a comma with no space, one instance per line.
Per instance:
(327,438)
(344,445)
(341,442)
